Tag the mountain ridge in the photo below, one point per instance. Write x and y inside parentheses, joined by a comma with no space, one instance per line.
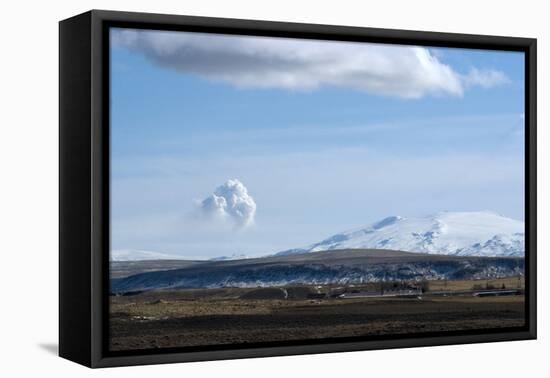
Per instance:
(325,267)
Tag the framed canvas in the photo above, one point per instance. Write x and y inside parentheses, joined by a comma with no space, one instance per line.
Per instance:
(235,188)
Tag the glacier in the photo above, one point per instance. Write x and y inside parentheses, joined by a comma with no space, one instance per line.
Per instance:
(479,233)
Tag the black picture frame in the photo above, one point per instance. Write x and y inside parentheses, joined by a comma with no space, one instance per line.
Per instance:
(84,183)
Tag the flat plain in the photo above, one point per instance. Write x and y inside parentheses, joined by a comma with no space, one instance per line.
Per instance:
(223,316)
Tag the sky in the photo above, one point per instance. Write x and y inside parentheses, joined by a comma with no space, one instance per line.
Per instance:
(225,145)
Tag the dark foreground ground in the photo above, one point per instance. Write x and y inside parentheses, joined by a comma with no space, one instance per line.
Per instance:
(198,317)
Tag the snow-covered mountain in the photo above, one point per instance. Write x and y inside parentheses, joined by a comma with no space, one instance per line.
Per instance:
(139,255)
(481,233)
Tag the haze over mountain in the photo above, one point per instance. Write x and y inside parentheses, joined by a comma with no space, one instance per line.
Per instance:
(481,233)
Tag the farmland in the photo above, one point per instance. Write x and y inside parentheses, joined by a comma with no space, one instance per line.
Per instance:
(221,316)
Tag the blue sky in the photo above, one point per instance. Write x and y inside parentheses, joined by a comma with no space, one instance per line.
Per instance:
(325,136)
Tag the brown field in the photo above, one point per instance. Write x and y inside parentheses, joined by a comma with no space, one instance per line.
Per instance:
(458,285)
(199,317)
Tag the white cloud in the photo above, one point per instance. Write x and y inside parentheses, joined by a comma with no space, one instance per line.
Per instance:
(294,64)
(232,202)
(484,78)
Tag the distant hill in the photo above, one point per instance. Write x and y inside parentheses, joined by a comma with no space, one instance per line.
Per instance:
(232,257)
(139,255)
(120,269)
(481,233)
(324,267)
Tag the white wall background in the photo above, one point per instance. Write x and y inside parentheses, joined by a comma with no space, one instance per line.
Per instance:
(29,176)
